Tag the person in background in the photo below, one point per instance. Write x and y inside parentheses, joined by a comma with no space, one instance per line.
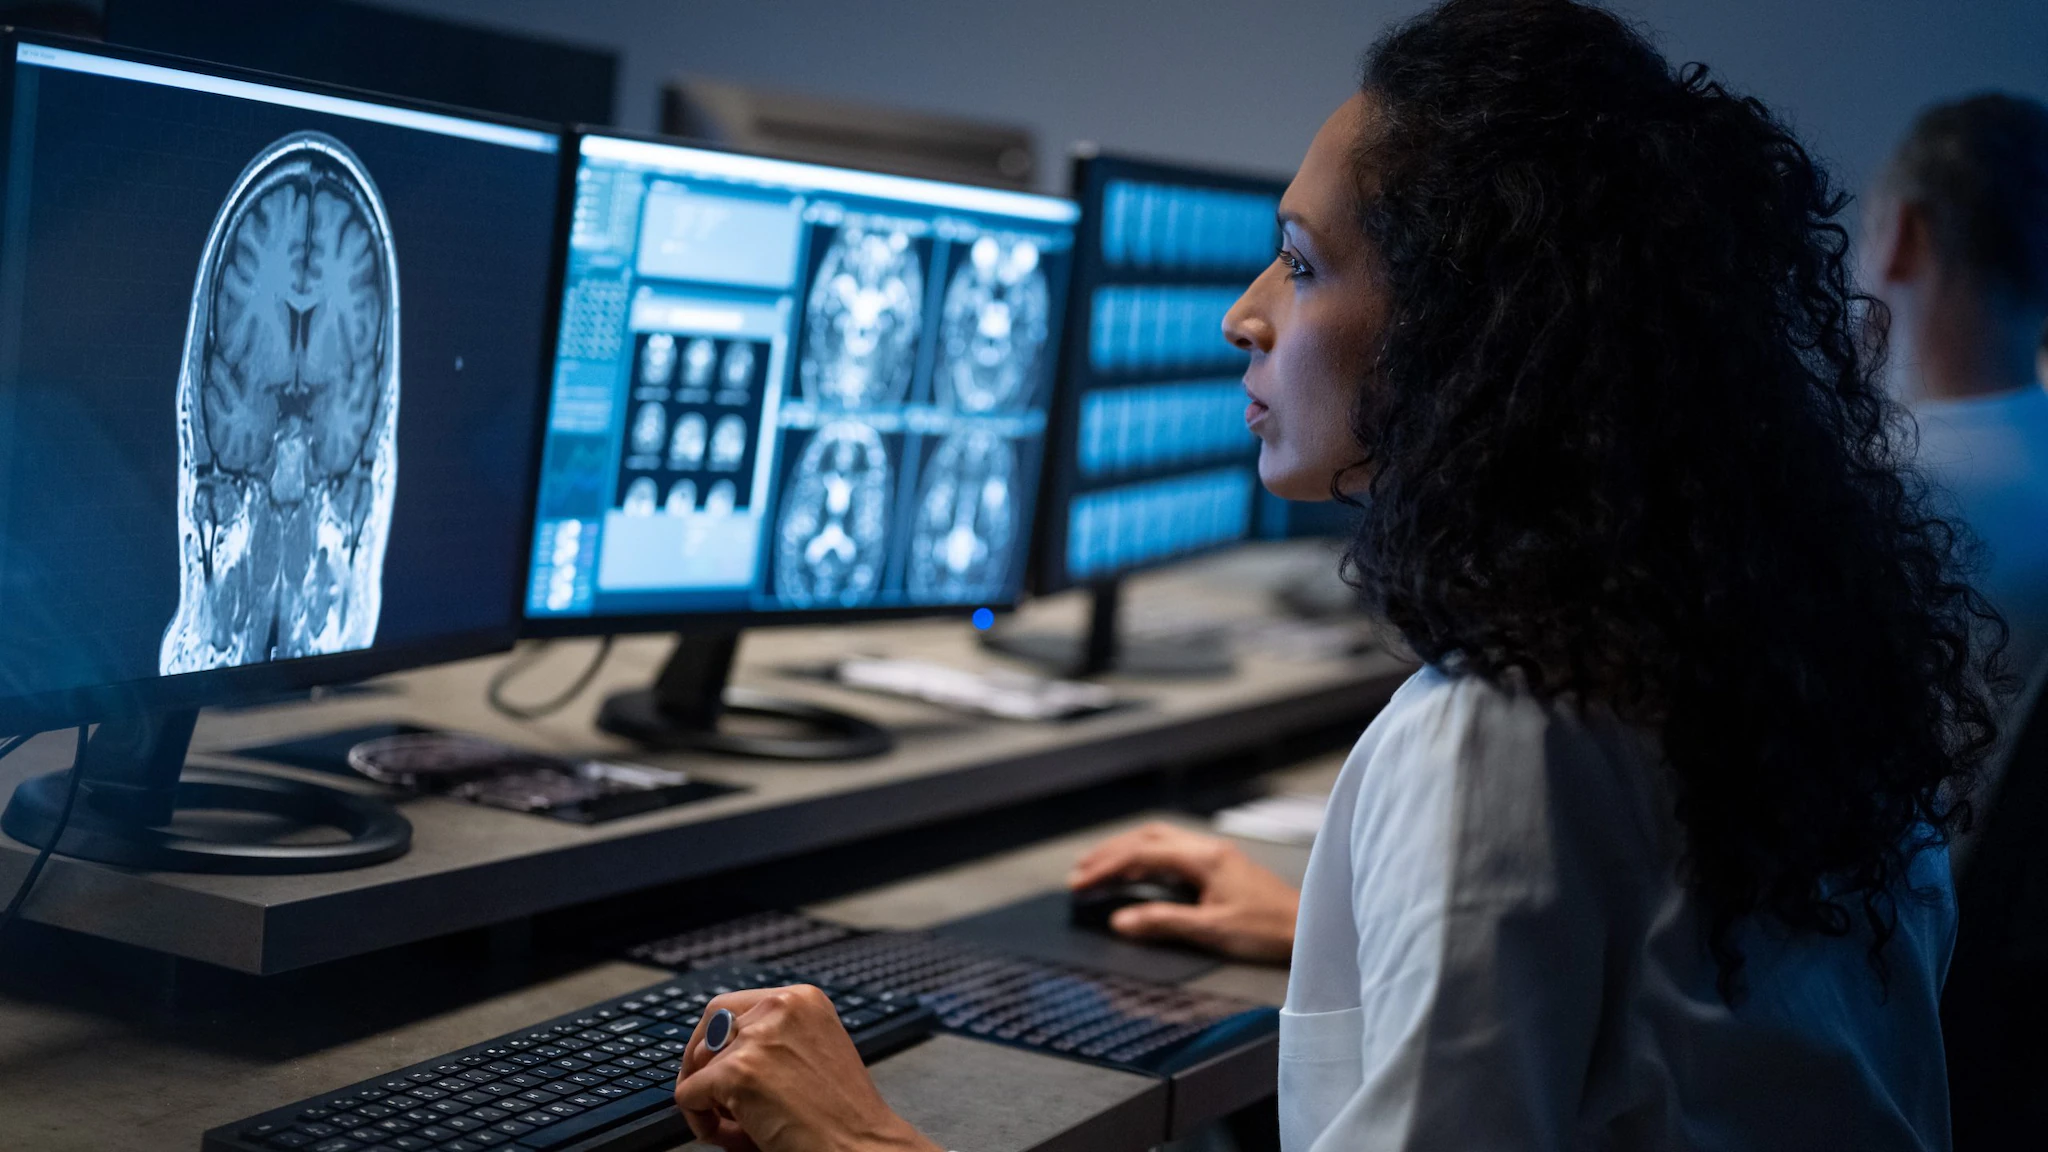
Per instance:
(1651,853)
(1957,238)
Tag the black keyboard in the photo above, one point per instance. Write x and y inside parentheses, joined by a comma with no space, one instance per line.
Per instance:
(601,1077)
(1134,1025)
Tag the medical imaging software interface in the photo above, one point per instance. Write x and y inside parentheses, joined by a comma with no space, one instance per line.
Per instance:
(269,366)
(784,387)
(1162,465)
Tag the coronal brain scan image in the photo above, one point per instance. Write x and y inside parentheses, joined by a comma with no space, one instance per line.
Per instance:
(720,500)
(698,360)
(682,498)
(650,428)
(994,323)
(640,497)
(658,359)
(287,415)
(739,365)
(686,444)
(960,545)
(862,319)
(832,537)
(728,443)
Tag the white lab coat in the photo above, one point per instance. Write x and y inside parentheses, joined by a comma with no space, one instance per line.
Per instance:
(1494,953)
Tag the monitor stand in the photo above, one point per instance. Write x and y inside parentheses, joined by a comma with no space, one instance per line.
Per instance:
(140,806)
(683,710)
(1104,649)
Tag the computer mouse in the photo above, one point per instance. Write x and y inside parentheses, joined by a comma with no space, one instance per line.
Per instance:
(1091,907)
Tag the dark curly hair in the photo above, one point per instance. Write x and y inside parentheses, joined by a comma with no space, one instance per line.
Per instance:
(1623,438)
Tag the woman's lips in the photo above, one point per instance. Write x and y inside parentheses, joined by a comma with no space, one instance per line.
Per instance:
(1254,415)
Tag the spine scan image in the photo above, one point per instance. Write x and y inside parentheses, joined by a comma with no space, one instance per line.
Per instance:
(287,415)
(960,547)
(831,541)
(993,324)
(862,320)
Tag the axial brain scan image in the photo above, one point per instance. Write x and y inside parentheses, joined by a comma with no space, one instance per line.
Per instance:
(831,541)
(960,545)
(993,323)
(287,415)
(697,362)
(862,319)
(658,359)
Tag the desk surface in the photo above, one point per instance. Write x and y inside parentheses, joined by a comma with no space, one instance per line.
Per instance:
(73,1078)
(471,867)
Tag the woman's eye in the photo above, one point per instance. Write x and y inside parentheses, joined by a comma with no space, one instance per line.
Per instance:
(1295,268)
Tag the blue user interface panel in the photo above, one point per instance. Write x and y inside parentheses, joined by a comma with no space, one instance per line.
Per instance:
(1161,466)
(785,387)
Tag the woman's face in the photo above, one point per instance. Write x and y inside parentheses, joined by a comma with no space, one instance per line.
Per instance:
(1310,321)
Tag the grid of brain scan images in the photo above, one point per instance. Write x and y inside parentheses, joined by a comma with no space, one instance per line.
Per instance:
(785,387)
(1162,464)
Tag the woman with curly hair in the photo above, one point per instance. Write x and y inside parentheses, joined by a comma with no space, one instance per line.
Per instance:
(1651,853)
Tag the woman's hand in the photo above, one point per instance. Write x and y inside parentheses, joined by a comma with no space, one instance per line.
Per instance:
(1246,912)
(788,1080)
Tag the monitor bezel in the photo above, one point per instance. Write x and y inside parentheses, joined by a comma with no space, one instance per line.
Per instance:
(724,621)
(1047,573)
(251,682)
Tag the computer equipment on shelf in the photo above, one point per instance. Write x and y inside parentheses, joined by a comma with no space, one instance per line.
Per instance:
(1152,462)
(1061,1009)
(271,358)
(787,393)
(798,126)
(600,1077)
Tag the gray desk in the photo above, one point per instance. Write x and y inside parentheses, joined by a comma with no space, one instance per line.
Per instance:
(73,1080)
(471,867)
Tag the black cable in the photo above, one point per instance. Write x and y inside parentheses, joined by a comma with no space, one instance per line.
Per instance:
(495,694)
(63,818)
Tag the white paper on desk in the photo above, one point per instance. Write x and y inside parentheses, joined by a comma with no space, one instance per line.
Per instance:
(1289,818)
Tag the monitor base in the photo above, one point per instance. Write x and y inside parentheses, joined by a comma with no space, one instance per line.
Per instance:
(683,710)
(1104,648)
(107,835)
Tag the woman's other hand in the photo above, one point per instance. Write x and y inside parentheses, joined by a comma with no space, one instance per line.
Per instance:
(788,1080)
(1245,911)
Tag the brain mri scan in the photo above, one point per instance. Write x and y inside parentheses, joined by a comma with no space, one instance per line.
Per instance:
(739,365)
(994,323)
(640,497)
(650,428)
(698,360)
(287,415)
(686,445)
(830,542)
(862,319)
(682,498)
(720,500)
(728,443)
(657,359)
(960,545)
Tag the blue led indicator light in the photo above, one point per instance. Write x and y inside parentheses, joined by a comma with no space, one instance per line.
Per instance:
(984,619)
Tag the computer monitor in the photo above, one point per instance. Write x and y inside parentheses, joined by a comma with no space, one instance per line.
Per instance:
(1151,460)
(271,359)
(787,393)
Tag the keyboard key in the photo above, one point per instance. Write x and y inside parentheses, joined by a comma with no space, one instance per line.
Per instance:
(423,1077)
(317,1130)
(338,1144)
(289,1140)
(635,1083)
(586,1100)
(484,1075)
(313,1114)
(537,1118)
(450,1069)
(422,1116)
(473,1099)
(256,1132)
(366,1135)
(437,1133)
(517,1128)
(462,1123)
(410,1144)
(427,1092)
(463,1145)
(501,1089)
(538,1096)
(575,1129)
(569,1064)
(450,1107)
(563,1109)
(487,1138)
(394,1126)
(594,1077)
(489,1115)
(453,1084)
(559,1087)
(612,1091)
(502,1067)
